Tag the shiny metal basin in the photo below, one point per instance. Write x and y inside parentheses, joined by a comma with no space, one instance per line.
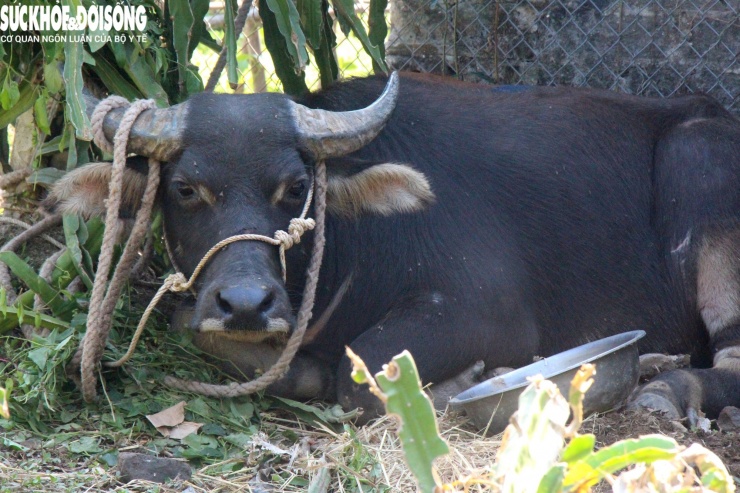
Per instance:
(490,404)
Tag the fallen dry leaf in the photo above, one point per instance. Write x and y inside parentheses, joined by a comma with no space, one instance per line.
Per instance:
(171,422)
(184,429)
(172,416)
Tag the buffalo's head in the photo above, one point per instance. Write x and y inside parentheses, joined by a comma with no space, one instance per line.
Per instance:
(243,164)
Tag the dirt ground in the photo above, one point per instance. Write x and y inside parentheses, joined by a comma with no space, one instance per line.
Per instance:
(615,426)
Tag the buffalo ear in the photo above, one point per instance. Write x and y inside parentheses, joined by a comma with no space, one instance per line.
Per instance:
(84,190)
(383,189)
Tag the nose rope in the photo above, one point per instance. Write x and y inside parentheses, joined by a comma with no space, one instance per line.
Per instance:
(90,352)
(178,283)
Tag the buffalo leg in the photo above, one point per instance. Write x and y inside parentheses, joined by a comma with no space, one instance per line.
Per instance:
(682,393)
(696,169)
(438,336)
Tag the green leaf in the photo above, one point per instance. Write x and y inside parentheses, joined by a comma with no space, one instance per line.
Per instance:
(213,429)
(312,414)
(76,108)
(292,83)
(54,145)
(312,21)
(45,176)
(288,23)
(321,481)
(345,12)
(3,301)
(16,315)
(71,225)
(38,285)
(40,356)
(4,393)
(85,446)
(198,30)
(53,77)
(377,30)
(10,94)
(97,38)
(71,146)
(24,103)
(193,82)
(239,439)
(113,79)
(324,54)
(552,481)
(419,434)
(87,58)
(201,446)
(182,25)
(110,458)
(230,43)
(608,460)
(10,444)
(578,448)
(39,112)
(140,71)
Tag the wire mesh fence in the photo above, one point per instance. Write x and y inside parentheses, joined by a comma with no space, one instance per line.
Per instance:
(650,47)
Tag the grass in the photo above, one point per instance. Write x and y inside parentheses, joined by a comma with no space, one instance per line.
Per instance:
(55,442)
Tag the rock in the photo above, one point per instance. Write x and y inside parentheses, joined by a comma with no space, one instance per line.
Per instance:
(149,468)
(729,419)
(678,427)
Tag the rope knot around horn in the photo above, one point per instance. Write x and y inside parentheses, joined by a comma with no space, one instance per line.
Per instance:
(298,226)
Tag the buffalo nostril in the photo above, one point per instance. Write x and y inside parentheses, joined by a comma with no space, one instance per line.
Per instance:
(245,305)
(223,304)
(267,302)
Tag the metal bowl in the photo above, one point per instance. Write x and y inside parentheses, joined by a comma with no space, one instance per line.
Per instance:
(490,404)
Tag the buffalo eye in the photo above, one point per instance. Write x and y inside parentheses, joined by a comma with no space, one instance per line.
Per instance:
(184,191)
(297,189)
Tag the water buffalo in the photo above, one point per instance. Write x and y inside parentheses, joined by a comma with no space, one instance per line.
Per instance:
(465,224)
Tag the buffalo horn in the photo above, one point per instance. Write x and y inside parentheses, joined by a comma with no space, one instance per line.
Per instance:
(155,133)
(333,134)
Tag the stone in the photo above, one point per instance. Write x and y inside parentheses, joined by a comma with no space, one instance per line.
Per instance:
(149,468)
(729,419)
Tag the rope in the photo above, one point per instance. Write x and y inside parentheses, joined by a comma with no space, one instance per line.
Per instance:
(102,305)
(177,282)
(14,177)
(280,368)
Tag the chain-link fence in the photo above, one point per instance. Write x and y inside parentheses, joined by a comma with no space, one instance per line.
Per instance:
(651,47)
